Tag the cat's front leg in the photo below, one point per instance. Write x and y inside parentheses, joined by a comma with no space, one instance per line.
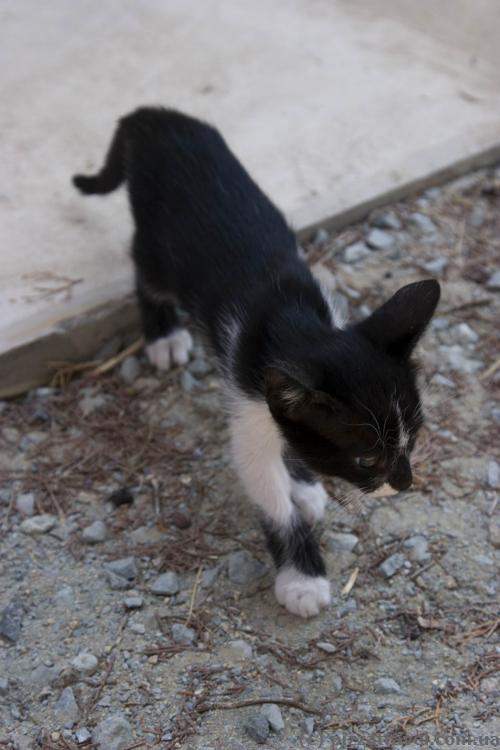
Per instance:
(301,584)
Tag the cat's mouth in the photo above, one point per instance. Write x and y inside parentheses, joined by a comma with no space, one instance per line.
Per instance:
(385,490)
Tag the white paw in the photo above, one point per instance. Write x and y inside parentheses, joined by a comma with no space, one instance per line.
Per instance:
(302,595)
(311,500)
(172,349)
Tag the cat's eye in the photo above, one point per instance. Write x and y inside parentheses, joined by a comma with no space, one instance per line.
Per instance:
(366,462)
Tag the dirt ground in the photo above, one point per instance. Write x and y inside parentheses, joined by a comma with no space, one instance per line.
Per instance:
(97,651)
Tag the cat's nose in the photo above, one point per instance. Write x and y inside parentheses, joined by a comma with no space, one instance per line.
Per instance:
(401,476)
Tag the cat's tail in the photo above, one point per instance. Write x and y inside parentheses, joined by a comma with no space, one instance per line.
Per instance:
(112,173)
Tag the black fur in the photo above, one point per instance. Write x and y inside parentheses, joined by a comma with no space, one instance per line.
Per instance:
(207,237)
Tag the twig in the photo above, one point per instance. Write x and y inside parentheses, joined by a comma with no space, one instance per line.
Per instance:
(113,361)
(491,370)
(193,595)
(466,306)
(204,707)
(348,723)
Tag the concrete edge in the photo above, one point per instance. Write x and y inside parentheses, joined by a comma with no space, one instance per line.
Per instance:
(485,158)
(79,339)
(75,340)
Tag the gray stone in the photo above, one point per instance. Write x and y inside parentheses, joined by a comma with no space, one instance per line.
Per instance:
(345,542)
(273,715)
(137,627)
(121,573)
(387,686)
(321,237)
(392,564)
(25,504)
(238,650)
(82,735)
(38,524)
(188,383)
(257,727)
(84,663)
(378,239)
(200,366)
(11,619)
(182,634)
(64,598)
(166,584)
(308,726)
(436,266)
(209,577)
(478,215)
(493,473)
(495,414)
(356,252)
(243,568)
(145,535)
(418,547)
(91,402)
(66,708)
(130,370)
(440,324)
(422,223)
(458,360)
(133,602)
(386,220)
(494,281)
(42,676)
(4,685)
(114,733)
(439,379)
(350,605)
(327,647)
(125,567)
(94,533)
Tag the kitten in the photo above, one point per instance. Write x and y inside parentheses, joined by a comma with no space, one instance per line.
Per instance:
(306,396)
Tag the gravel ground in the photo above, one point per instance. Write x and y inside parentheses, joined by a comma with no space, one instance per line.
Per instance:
(136,604)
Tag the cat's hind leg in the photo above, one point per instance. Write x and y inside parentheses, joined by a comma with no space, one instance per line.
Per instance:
(301,584)
(167,343)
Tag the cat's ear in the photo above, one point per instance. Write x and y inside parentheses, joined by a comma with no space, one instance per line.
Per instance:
(396,327)
(290,398)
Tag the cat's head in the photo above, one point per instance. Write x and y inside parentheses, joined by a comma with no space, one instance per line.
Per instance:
(351,408)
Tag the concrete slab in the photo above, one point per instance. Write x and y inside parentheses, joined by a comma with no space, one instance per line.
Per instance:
(329,104)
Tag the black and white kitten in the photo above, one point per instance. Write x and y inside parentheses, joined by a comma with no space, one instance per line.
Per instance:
(305,395)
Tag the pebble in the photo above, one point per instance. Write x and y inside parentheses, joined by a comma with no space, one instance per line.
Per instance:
(478,215)
(386,220)
(494,281)
(418,547)
(327,647)
(387,686)
(273,715)
(188,383)
(308,726)
(458,360)
(321,237)
(490,685)
(238,650)
(121,573)
(243,568)
(200,366)
(66,708)
(94,533)
(209,577)
(130,370)
(378,239)
(4,685)
(440,324)
(439,379)
(345,542)
(64,598)
(114,733)
(493,473)
(436,266)
(38,524)
(85,663)
(82,735)
(25,504)
(422,223)
(166,584)
(137,627)
(495,414)
(356,252)
(133,602)
(466,333)
(182,634)
(257,727)
(392,564)
(11,619)
(91,402)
